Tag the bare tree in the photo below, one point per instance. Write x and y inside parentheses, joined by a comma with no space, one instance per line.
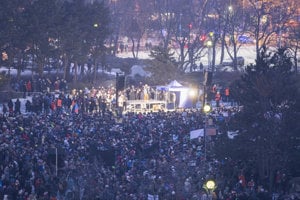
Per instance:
(293,41)
(233,28)
(267,20)
(131,20)
(181,26)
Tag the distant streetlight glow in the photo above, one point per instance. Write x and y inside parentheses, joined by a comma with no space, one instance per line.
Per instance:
(209,43)
(206,108)
(210,185)
(192,93)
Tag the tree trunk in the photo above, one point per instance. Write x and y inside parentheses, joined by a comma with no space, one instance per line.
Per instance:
(116,45)
(40,65)
(222,47)
(181,46)
(75,71)
(82,70)
(138,47)
(235,56)
(295,57)
(95,71)
(19,66)
(213,62)
(133,47)
(66,67)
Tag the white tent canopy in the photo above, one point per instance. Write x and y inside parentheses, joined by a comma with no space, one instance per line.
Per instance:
(180,90)
(172,86)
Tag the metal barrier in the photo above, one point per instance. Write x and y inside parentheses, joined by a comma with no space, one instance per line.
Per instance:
(143,106)
(6,95)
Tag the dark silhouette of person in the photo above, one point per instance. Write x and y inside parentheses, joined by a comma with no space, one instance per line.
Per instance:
(10,105)
(18,107)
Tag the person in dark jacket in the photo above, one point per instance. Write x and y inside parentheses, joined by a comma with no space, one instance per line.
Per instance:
(10,105)
(28,106)
(4,109)
(18,107)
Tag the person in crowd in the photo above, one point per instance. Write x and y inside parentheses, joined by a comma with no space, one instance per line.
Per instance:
(59,104)
(218,98)
(18,106)
(28,87)
(28,106)
(10,105)
(227,94)
(4,108)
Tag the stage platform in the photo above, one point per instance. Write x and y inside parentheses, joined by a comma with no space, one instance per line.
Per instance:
(146,106)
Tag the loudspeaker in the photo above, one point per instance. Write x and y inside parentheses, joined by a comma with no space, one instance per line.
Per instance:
(120,82)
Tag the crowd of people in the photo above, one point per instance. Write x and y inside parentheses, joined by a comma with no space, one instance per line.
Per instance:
(38,84)
(76,149)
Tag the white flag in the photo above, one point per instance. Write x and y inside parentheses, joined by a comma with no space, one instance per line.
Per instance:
(152,197)
(196,133)
(232,134)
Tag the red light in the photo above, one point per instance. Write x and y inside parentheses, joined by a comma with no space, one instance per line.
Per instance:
(202,38)
(190,26)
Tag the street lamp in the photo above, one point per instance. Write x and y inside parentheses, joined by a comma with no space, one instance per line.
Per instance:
(208,72)
(209,46)
(206,110)
(230,9)
(210,186)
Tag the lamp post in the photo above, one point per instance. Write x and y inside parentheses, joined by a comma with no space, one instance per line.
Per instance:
(207,81)
(120,86)
(208,72)
(209,45)
(56,161)
(180,28)
(210,186)
(206,110)
(117,91)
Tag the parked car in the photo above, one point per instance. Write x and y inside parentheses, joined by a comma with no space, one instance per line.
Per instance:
(240,61)
(244,39)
